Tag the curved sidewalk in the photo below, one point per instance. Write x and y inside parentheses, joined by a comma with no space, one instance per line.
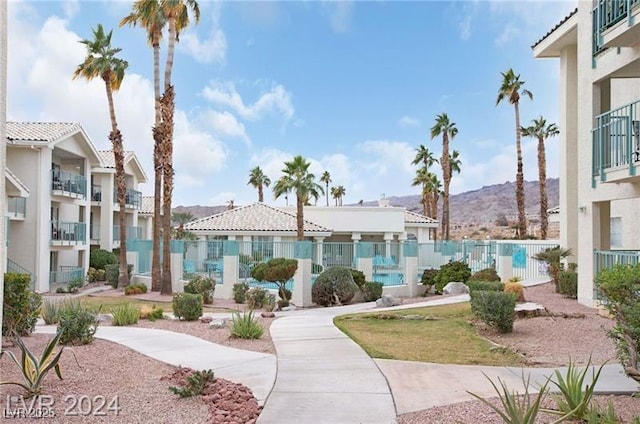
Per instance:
(253,369)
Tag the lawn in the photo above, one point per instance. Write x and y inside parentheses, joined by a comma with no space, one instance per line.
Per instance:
(439,334)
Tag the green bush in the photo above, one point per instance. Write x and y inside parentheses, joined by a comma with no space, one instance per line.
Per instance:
(453,271)
(94,274)
(485,285)
(51,310)
(195,384)
(112,273)
(428,277)
(279,271)
(187,306)
(334,286)
(358,278)
(100,258)
(568,283)
(256,297)
(125,314)
(155,314)
(75,285)
(487,274)
(203,286)
(245,326)
(371,291)
(496,309)
(132,289)
(240,292)
(78,324)
(21,305)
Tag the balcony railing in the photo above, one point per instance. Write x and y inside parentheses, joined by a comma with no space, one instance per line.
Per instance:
(64,276)
(68,183)
(132,198)
(603,259)
(133,233)
(616,140)
(17,207)
(606,14)
(68,233)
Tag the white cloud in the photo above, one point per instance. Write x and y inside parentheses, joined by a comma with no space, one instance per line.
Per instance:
(271,161)
(408,121)
(465,27)
(509,32)
(210,50)
(225,124)
(223,198)
(340,14)
(387,157)
(276,100)
(70,8)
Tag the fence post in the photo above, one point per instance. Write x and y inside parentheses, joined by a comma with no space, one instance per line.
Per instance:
(410,253)
(301,296)
(177,250)
(364,259)
(230,269)
(504,262)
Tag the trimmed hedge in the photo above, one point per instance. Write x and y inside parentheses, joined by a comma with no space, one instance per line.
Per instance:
(428,277)
(496,309)
(335,286)
(517,289)
(371,290)
(485,285)
(187,306)
(21,305)
(568,283)
(487,274)
(453,271)
(203,286)
(100,258)
(358,278)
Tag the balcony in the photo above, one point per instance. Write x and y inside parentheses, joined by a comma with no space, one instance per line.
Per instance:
(614,24)
(132,198)
(616,145)
(64,183)
(64,275)
(96,193)
(133,233)
(16,207)
(68,233)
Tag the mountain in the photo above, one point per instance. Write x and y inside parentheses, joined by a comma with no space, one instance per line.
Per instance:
(477,206)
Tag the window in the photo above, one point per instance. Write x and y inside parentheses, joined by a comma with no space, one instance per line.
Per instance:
(615,228)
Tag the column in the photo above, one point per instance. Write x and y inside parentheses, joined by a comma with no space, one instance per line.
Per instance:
(364,261)
(410,254)
(177,249)
(319,250)
(230,270)
(388,237)
(504,264)
(355,238)
(301,296)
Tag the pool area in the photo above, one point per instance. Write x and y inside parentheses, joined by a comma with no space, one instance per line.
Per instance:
(389,279)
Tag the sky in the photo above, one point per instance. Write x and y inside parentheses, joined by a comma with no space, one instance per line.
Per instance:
(353,86)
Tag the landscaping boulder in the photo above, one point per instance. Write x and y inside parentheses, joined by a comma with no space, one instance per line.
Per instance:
(289,308)
(206,319)
(217,323)
(388,300)
(455,287)
(266,314)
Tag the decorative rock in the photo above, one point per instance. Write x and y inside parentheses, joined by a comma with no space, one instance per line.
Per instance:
(529,310)
(217,323)
(289,308)
(267,315)
(388,300)
(455,287)
(206,320)
(104,318)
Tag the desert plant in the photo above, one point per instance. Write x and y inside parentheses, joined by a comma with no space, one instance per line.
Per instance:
(132,289)
(245,326)
(77,324)
(240,292)
(371,291)
(75,285)
(51,309)
(358,278)
(21,305)
(95,274)
(35,370)
(279,271)
(514,279)
(334,286)
(552,256)
(269,303)
(485,285)
(195,384)
(568,283)
(604,415)
(428,278)
(203,286)
(495,309)
(621,287)
(487,274)
(517,289)
(152,314)
(187,306)
(452,271)
(100,258)
(125,314)
(256,297)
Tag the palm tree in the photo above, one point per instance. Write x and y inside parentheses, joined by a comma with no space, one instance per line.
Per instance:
(511,89)
(149,15)
(448,130)
(101,62)
(552,256)
(542,131)
(454,163)
(258,180)
(176,13)
(181,218)
(334,194)
(340,192)
(326,179)
(425,156)
(298,178)
(423,178)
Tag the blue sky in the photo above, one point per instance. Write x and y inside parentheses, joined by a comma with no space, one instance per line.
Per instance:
(352,86)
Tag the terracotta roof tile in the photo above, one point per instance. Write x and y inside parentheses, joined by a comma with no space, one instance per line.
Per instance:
(39,132)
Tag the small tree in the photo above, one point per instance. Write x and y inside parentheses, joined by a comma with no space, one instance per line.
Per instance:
(279,271)
(552,256)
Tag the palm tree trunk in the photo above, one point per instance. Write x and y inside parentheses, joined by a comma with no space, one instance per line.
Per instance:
(542,183)
(116,141)
(300,216)
(167,189)
(260,193)
(446,176)
(156,270)
(522,219)
(327,193)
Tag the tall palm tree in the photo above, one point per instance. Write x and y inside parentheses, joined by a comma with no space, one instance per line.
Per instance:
(424,156)
(334,194)
(258,180)
(101,62)
(326,179)
(298,178)
(176,13)
(149,15)
(511,89)
(181,218)
(542,131)
(423,178)
(454,163)
(447,129)
(340,192)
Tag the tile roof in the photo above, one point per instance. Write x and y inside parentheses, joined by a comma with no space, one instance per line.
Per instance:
(147,205)
(41,133)
(414,218)
(254,217)
(109,158)
(558,25)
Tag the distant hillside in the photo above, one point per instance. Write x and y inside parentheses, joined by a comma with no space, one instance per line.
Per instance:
(476,206)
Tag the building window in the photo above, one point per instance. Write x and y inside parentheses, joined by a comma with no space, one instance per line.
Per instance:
(615,228)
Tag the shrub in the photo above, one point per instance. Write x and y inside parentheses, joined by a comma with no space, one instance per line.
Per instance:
(75,285)
(371,291)
(453,271)
(240,292)
(203,286)
(428,277)
(195,384)
(487,274)
(132,289)
(100,258)
(152,314)
(334,286)
(552,256)
(112,273)
(279,271)
(187,306)
(358,278)
(485,285)
(256,297)
(516,289)
(125,314)
(568,283)
(21,305)
(515,279)
(245,326)
(269,303)
(95,274)
(51,310)
(78,324)
(495,309)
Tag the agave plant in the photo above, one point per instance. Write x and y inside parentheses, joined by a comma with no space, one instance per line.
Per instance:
(34,370)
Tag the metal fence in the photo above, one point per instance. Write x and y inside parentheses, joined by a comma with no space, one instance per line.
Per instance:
(64,275)
(603,259)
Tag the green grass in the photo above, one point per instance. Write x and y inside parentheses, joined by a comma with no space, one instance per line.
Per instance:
(439,334)
(108,303)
